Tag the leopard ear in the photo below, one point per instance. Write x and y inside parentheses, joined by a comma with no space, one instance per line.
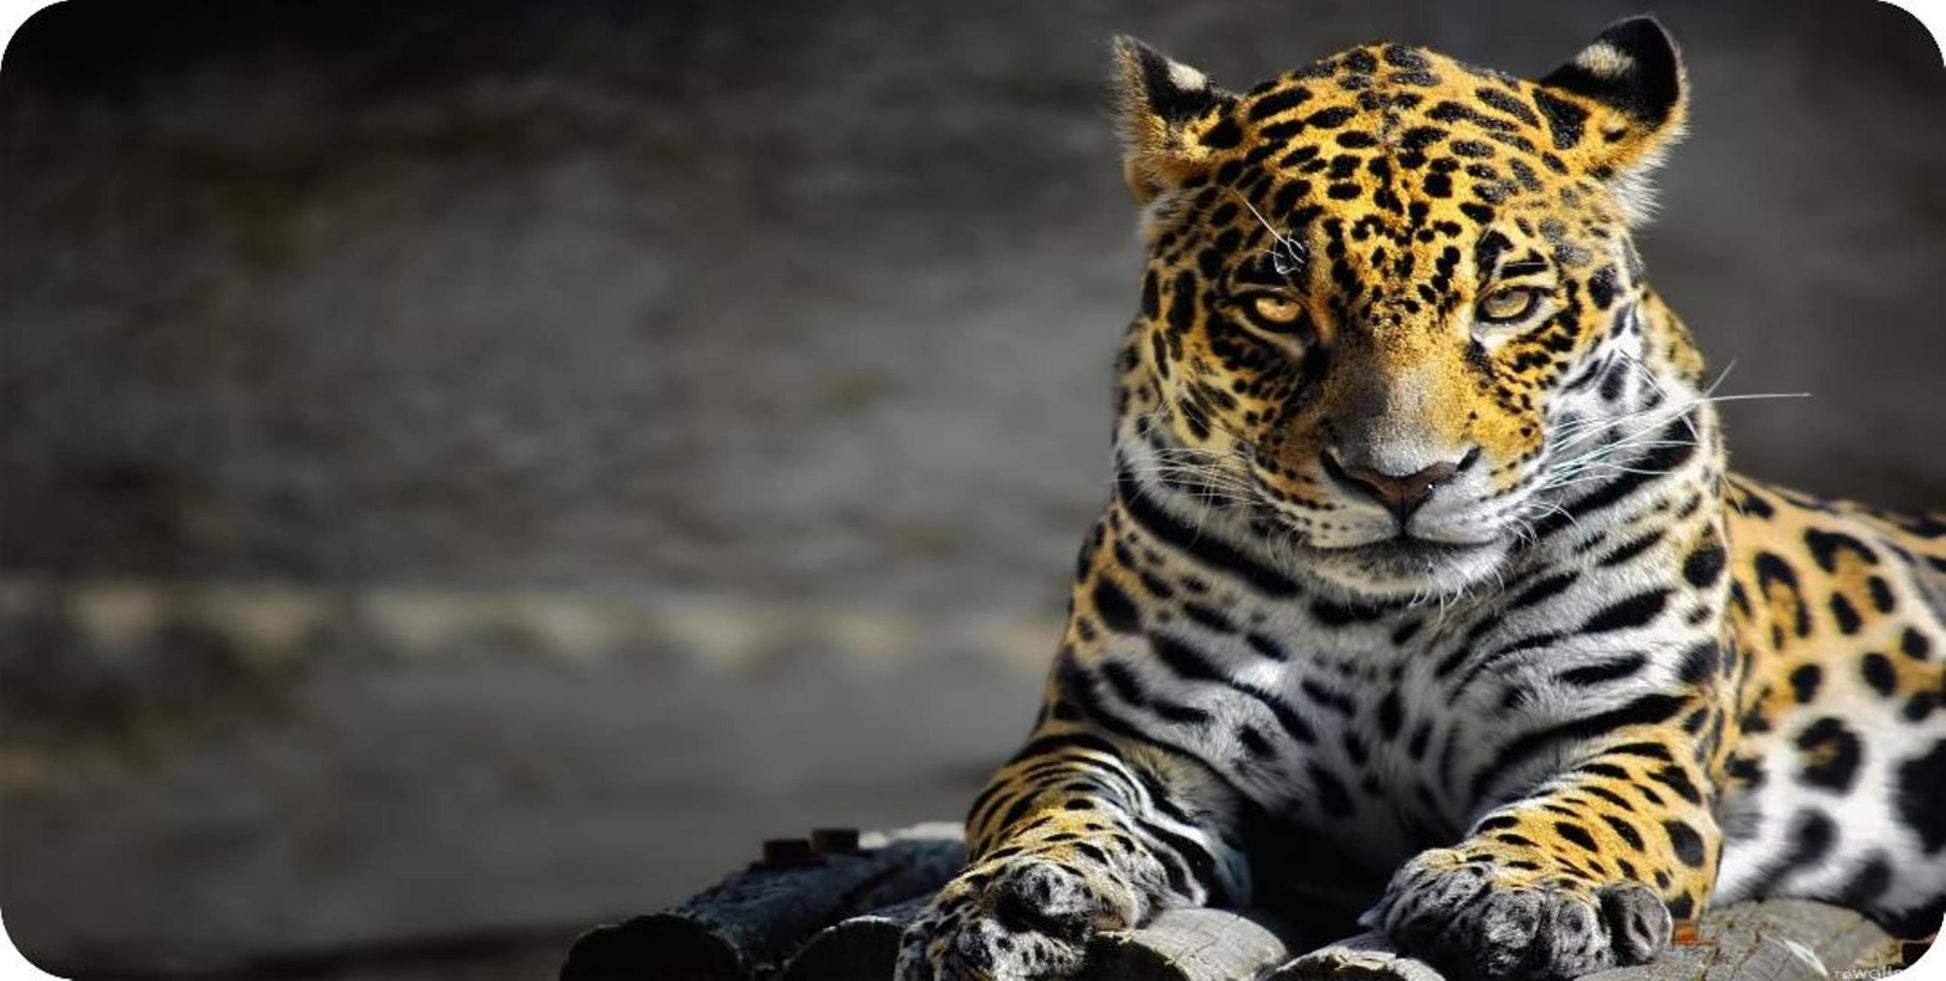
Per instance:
(1157,100)
(1618,106)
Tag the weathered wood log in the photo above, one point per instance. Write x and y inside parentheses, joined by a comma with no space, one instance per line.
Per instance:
(1365,956)
(1778,940)
(1781,939)
(860,948)
(852,900)
(1178,945)
(1368,957)
(1774,941)
(1191,945)
(756,919)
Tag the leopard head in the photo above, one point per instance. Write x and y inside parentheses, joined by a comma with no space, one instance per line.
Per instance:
(1390,301)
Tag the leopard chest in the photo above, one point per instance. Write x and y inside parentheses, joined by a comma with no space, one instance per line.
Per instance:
(1386,730)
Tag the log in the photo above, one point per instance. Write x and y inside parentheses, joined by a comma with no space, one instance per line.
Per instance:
(1191,945)
(857,949)
(1781,939)
(754,920)
(832,908)
(1367,957)
(1776,940)
(1178,945)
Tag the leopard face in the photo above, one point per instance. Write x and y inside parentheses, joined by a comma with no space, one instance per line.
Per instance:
(1391,308)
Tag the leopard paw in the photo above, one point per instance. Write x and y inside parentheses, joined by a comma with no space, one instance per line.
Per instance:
(1473,918)
(1018,918)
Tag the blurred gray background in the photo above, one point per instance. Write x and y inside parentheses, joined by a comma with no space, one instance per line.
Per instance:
(469,471)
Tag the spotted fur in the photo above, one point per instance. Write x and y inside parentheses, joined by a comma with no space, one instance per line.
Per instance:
(1422,589)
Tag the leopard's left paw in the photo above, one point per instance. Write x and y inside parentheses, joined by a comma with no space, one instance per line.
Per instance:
(1473,918)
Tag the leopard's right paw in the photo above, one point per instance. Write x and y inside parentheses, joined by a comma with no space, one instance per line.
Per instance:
(1022,917)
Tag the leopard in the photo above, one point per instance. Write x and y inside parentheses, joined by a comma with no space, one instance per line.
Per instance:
(1423,600)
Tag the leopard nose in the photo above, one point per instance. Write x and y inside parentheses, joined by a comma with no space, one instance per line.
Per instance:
(1401,494)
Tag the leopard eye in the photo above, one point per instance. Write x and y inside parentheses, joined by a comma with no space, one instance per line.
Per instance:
(1274,310)
(1508,305)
